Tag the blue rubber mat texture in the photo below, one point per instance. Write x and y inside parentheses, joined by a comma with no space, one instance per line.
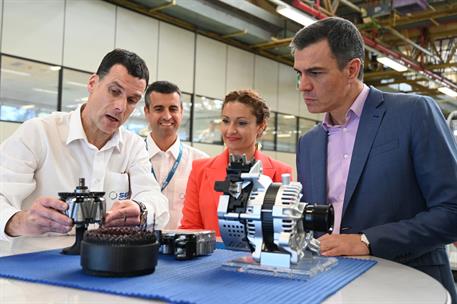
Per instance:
(200,280)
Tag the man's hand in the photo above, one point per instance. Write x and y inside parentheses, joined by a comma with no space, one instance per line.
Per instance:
(45,215)
(123,213)
(342,244)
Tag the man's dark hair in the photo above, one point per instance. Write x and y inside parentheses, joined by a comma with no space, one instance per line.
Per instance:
(163,87)
(134,64)
(343,37)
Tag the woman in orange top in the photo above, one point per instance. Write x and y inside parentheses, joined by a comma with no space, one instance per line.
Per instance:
(244,118)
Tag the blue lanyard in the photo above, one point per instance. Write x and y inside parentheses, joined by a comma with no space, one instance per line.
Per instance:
(172,170)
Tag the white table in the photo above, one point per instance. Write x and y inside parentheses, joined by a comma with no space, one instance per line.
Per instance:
(386,282)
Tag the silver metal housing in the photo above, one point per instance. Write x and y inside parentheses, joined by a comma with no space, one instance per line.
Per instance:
(244,230)
(86,210)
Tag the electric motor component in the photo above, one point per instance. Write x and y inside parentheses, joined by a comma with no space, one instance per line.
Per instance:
(84,207)
(119,251)
(268,218)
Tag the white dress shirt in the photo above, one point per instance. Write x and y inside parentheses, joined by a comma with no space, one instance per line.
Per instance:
(162,162)
(49,155)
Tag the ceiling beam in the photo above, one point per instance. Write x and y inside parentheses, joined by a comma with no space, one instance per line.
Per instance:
(443,11)
(273,43)
(444,31)
(441,66)
(254,10)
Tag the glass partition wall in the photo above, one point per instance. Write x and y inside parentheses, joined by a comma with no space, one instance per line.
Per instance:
(31,89)
(27,89)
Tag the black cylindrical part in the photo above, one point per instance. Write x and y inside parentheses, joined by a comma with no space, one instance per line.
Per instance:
(318,218)
(119,251)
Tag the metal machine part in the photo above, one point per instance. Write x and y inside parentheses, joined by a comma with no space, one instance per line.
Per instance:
(84,207)
(268,218)
(119,251)
(186,244)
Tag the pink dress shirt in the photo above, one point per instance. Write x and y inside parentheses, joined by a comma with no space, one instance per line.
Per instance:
(340,144)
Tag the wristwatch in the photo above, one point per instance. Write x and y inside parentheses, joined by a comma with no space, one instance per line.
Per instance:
(364,239)
(143,215)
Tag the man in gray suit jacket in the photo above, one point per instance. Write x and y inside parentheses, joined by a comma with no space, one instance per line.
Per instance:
(386,162)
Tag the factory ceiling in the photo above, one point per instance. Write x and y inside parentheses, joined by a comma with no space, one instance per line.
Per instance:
(419,34)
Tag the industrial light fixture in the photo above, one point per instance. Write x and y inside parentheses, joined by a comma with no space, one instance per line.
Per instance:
(44,91)
(402,87)
(294,14)
(448,91)
(289,116)
(76,84)
(284,135)
(27,107)
(81,100)
(387,80)
(14,72)
(392,64)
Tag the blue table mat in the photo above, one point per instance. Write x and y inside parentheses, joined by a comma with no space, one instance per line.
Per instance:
(201,280)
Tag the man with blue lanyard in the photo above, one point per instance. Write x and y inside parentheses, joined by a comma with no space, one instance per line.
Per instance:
(171,159)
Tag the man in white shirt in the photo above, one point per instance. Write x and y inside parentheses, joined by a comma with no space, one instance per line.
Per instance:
(171,159)
(48,155)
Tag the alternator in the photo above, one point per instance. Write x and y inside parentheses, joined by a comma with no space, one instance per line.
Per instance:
(268,218)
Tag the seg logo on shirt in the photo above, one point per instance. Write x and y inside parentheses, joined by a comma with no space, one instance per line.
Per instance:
(123,195)
(117,185)
(120,196)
